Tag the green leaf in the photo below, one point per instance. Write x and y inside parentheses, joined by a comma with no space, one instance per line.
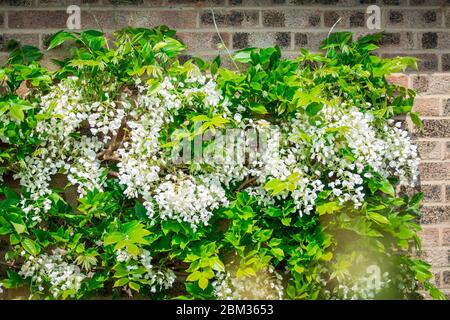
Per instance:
(135,286)
(24,54)
(219,121)
(93,39)
(387,188)
(415,118)
(278,253)
(286,221)
(171,47)
(30,246)
(113,237)
(314,108)
(263,235)
(276,186)
(59,38)
(14,239)
(377,217)
(140,210)
(14,280)
(68,293)
(203,283)
(200,118)
(258,108)
(405,233)
(215,65)
(243,56)
(17,112)
(326,256)
(217,264)
(170,226)
(328,207)
(415,201)
(421,270)
(20,228)
(371,47)
(196,275)
(121,282)
(10,193)
(132,249)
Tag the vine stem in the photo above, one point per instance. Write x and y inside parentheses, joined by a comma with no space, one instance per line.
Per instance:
(221,40)
(331,30)
(246,182)
(334,25)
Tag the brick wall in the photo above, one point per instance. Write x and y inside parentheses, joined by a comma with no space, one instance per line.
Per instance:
(419,28)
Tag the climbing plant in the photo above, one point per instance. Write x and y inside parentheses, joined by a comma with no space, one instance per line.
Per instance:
(277,178)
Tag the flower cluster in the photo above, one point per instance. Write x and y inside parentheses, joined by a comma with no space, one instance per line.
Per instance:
(62,149)
(179,165)
(336,152)
(156,277)
(184,199)
(362,288)
(266,286)
(181,197)
(145,115)
(54,271)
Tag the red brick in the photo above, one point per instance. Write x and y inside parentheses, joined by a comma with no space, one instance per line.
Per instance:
(432,84)
(348,18)
(196,3)
(437,278)
(261,39)
(309,40)
(430,237)
(446,107)
(435,128)
(429,150)
(203,41)
(446,236)
(301,19)
(23,38)
(426,18)
(395,40)
(146,19)
(427,106)
(446,278)
(434,214)
(151,3)
(3,57)
(447,150)
(398,79)
(432,193)
(65,3)
(435,170)
(232,18)
(438,257)
(37,19)
(17,3)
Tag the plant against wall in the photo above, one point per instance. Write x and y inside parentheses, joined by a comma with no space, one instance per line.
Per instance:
(303,206)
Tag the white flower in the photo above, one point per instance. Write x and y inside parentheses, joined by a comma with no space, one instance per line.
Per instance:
(267,285)
(60,274)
